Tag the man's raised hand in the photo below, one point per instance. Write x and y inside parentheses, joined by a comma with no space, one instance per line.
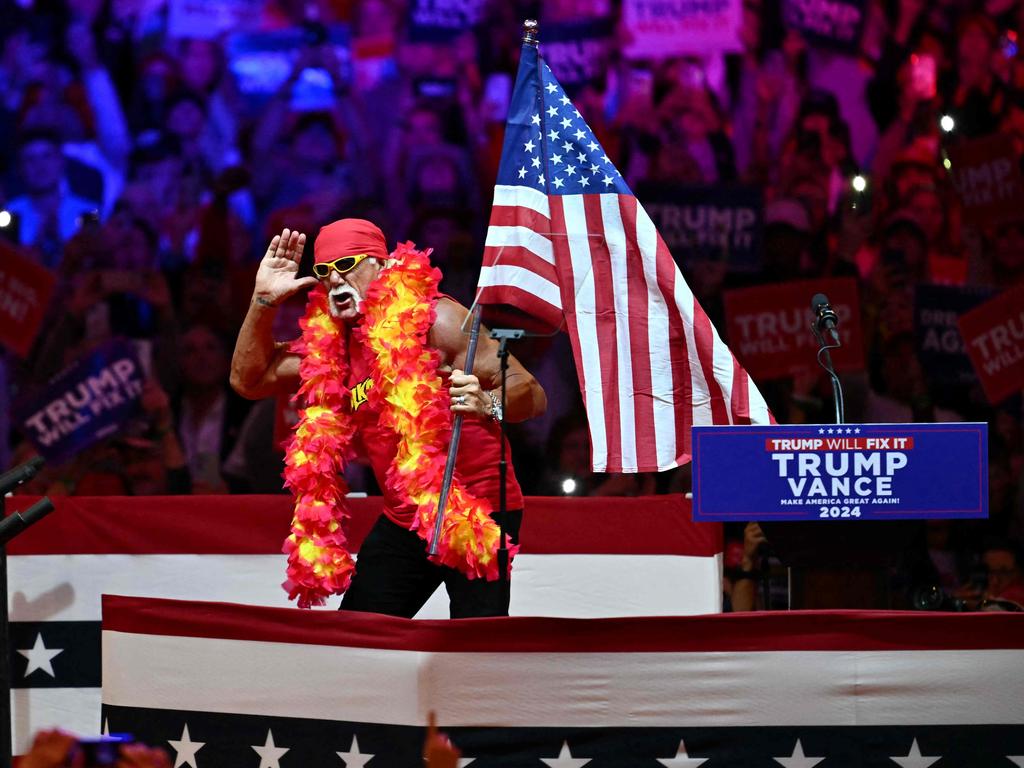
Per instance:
(276,277)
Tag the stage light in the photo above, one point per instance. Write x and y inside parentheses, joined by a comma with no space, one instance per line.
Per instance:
(946,164)
(859,183)
(5,218)
(947,123)
(568,486)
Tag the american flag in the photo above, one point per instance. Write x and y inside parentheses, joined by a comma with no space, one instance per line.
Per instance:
(570,243)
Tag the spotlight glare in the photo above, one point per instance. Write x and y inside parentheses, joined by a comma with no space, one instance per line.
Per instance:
(5,218)
(859,183)
(947,123)
(568,486)
(946,163)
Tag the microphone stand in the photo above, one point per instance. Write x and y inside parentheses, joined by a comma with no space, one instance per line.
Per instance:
(503,336)
(825,361)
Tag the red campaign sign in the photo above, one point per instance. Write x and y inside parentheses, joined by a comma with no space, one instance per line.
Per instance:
(769,327)
(25,291)
(994,336)
(987,179)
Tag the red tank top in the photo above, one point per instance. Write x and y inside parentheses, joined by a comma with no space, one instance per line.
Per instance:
(476,465)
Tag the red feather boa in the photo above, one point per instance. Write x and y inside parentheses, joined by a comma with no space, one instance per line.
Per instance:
(408,393)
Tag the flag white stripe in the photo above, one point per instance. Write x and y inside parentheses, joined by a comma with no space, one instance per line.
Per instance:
(624,689)
(759,413)
(570,586)
(578,242)
(524,197)
(525,279)
(723,367)
(615,238)
(75,710)
(700,395)
(662,385)
(522,237)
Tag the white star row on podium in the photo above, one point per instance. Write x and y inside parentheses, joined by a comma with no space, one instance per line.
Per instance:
(270,756)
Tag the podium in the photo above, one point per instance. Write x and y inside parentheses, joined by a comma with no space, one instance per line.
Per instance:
(844,565)
(839,504)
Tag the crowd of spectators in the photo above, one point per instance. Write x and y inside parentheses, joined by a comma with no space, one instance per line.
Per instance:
(139,171)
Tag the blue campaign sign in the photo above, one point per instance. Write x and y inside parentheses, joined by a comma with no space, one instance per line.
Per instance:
(832,472)
(84,403)
(262,61)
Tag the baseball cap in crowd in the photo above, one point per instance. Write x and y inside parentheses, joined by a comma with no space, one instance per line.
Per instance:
(916,154)
(789,212)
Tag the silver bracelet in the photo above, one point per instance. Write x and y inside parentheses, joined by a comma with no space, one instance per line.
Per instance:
(496,413)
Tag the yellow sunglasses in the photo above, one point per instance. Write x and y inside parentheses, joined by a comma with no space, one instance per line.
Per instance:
(341,266)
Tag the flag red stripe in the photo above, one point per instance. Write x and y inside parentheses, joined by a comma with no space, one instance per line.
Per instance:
(563,260)
(755,632)
(517,256)
(607,330)
(740,397)
(678,349)
(519,216)
(524,300)
(704,335)
(637,288)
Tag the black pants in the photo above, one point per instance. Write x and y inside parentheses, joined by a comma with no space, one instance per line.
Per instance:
(393,576)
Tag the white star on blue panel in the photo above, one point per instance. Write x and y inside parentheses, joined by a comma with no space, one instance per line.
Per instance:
(556,151)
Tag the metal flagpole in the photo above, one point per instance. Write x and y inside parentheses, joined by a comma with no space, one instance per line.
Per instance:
(453,447)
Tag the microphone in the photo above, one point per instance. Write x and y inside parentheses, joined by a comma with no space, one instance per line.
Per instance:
(825,318)
(14,477)
(17,522)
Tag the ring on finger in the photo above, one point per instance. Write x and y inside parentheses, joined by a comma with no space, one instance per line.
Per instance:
(460,399)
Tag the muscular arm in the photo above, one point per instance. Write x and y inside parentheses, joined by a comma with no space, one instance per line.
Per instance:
(525,397)
(261,367)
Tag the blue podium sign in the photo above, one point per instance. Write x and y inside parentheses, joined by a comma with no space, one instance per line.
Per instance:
(832,472)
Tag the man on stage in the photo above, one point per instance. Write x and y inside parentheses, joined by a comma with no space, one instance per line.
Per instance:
(379,370)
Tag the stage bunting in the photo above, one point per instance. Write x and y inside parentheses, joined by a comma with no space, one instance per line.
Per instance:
(223,686)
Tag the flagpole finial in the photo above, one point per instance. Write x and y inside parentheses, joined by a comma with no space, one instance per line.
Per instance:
(531,32)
